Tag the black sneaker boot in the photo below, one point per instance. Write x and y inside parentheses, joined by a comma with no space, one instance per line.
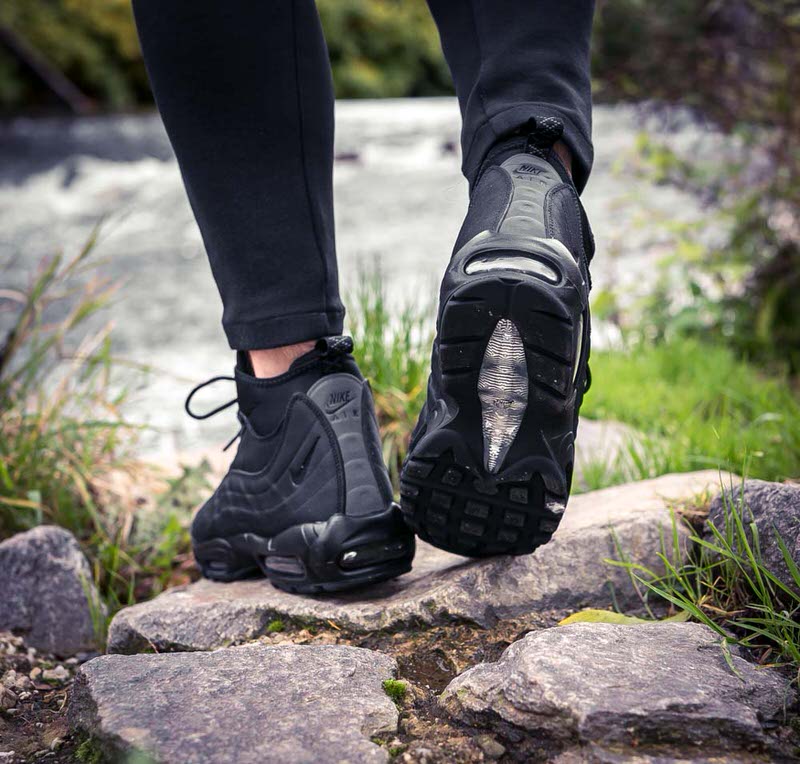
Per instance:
(307,501)
(490,462)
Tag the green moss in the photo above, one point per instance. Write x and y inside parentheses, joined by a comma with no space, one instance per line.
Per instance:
(90,752)
(275,626)
(395,689)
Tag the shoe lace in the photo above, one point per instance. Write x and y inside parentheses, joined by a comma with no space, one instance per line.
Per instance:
(331,349)
(542,134)
(208,414)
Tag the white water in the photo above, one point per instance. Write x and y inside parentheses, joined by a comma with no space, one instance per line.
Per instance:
(400,200)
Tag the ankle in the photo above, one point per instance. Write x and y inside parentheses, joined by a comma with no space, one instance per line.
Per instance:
(272,362)
(564,154)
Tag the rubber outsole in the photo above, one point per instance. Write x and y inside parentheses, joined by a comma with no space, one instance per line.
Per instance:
(315,558)
(449,495)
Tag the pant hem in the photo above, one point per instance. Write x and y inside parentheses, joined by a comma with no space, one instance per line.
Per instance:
(508,121)
(283,330)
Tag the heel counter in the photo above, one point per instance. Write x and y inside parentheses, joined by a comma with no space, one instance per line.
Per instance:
(342,400)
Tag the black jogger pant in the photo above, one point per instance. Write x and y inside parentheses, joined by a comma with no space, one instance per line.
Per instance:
(245,92)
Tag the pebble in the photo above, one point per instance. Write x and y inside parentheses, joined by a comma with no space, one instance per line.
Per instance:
(8,699)
(490,746)
(58,674)
(15,680)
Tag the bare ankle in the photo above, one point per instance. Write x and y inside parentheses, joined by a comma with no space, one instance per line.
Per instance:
(271,362)
(564,154)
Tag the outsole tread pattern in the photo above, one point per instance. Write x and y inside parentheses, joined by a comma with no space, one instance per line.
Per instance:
(448,497)
(460,519)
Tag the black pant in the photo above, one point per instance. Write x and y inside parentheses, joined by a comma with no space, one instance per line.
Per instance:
(245,92)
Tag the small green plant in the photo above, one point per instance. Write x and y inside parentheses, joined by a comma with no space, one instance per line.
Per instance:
(395,689)
(275,626)
(726,585)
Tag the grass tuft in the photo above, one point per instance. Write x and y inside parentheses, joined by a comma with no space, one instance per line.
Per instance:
(65,438)
(726,585)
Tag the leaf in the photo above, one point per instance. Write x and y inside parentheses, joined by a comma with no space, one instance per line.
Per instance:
(592,615)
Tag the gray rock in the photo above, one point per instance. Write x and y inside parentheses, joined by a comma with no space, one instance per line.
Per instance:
(47,587)
(773,507)
(569,572)
(608,685)
(255,703)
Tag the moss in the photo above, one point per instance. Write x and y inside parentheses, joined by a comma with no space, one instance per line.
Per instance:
(275,626)
(90,752)
(395,689)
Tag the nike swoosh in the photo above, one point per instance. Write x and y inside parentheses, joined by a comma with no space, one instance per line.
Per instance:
(297,474)
(336,408)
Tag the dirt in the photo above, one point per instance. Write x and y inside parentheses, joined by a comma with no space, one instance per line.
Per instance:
(427,660)
(36,687)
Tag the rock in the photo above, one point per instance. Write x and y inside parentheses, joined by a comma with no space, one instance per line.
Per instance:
(773,507)
(650,685)
(569,572)
(47,583)
(8,698)
(490,747)
(255,703)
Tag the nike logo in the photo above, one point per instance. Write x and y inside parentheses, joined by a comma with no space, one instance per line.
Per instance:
(298,474)
(337,400)
(529,169)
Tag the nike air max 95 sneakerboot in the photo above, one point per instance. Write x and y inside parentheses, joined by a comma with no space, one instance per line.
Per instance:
(307,501)
(490,462)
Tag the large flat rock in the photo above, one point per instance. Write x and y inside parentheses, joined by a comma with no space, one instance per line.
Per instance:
(661,685)
(254,703)
(569,572)
(47,587)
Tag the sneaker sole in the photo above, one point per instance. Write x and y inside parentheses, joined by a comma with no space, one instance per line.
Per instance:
(492,476)
(315,558)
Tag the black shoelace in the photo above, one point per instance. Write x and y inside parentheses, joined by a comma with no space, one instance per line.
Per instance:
(207,414)
(543,133)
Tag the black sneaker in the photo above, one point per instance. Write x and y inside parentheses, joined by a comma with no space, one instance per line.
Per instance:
(307,501)
(490,462)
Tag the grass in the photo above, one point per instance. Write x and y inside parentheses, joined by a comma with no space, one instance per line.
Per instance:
(65,434)
(393,348)
(726,585)
(699,407)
